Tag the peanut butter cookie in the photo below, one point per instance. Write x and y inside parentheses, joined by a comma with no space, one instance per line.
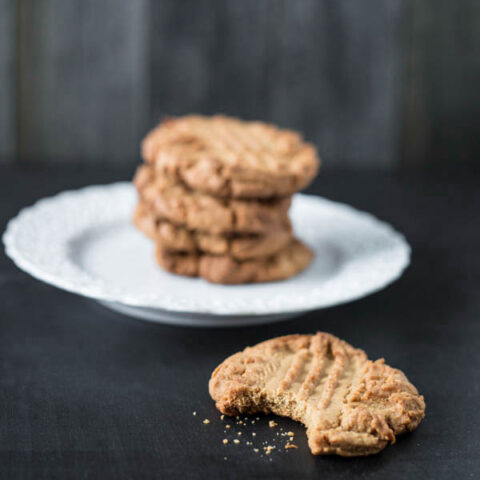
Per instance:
(179,239)
(350,405)
(197,211)
(225,269)
(227,157)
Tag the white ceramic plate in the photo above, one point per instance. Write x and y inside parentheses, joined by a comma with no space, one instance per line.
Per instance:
(83,241)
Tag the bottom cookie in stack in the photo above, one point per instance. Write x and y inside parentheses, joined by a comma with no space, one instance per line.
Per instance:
(226,259)
(225,269)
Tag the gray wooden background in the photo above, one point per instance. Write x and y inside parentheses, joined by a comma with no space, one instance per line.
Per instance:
(378,83)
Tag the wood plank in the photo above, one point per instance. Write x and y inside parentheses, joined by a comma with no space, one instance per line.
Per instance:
(209,57)
(95,75)
(7,80)
(83,80)
(330,69)
(337,77)
(443,97)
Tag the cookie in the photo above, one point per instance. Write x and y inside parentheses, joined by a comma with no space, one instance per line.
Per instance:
(225,269)
(227,157)
(179,239)
(173,201)
(145,221)
(350,405)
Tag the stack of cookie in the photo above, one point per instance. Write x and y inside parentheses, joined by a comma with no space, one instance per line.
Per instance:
(214,194)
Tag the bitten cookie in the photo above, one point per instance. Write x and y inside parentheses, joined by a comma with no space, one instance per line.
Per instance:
(350,405)
(179,239)
(226,270)
(197,211)
(228,157)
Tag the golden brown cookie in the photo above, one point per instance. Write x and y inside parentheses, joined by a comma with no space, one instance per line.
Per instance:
(350,405)
(225,269)
(145,221)
(179,239)
(227,157)
(197,211)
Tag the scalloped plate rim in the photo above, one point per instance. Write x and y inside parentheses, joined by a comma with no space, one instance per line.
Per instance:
(24,264)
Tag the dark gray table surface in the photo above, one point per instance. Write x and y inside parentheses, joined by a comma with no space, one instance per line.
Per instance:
(88,393)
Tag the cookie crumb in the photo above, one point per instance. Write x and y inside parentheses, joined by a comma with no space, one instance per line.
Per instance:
(227,426)
(225,458)
(222,417)
(206,421)
(272,423)
(225,441)
(290,445)
(268,450)
(194,413)
(255,450)
(254,434)
(290,434)
(239,433)
(236,441)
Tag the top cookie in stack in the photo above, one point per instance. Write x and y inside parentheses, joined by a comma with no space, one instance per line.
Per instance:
(214,193)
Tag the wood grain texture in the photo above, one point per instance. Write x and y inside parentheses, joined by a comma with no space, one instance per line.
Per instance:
(82,86)
(7,80)
(442,116)
(339,78)
(380,85)
(329,69)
